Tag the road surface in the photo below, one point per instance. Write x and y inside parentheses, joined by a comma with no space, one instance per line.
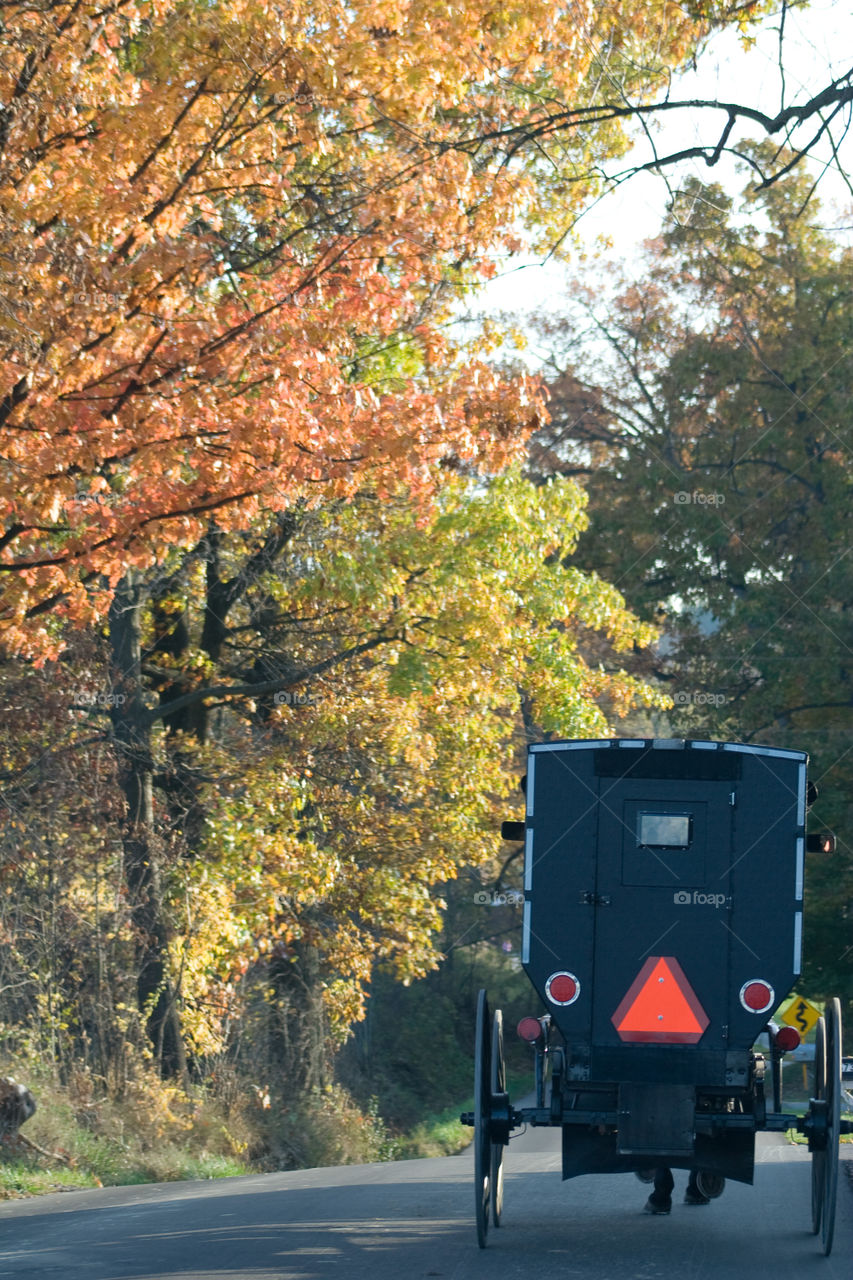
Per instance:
(414,1219)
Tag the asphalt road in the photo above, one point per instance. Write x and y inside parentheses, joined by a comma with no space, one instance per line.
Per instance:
(414,1219)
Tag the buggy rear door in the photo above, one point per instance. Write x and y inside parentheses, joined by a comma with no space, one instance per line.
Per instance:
(662,900)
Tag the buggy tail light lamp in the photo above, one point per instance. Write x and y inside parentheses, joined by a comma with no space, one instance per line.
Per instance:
(562,987)
(786,1039)
(757,996)
(531,1030)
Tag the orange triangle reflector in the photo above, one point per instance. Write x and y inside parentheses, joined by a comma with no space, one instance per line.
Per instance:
(660,1006)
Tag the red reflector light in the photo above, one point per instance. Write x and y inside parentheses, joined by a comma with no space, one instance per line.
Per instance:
(757,996)
(787,1039)
(530,1029)
(562,988)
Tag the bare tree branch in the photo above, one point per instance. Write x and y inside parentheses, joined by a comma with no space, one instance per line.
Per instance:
(264,687)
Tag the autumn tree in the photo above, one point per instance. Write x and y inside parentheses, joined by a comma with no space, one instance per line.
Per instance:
(229,235)
(215,220)
(208,209)
(319,772)
(709,414)
(359,764)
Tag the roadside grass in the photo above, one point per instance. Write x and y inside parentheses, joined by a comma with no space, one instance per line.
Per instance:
(156,1132)
(29,1174)
(21,1177)
(441,1134)
(153,1132)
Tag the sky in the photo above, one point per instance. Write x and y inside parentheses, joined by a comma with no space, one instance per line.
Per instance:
(818,45)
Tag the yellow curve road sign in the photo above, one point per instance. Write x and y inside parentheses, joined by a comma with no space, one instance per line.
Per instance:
(802,1014)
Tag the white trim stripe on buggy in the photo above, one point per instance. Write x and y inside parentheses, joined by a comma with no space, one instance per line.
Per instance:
(798,943)
(528,860)
(525,935)
(658,744)
(531,775)
(778,752)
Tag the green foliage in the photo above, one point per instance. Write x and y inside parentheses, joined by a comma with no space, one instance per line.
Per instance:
(386,779)
(305,842)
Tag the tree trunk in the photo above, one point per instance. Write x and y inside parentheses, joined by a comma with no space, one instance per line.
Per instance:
(297,1031)
(156,994)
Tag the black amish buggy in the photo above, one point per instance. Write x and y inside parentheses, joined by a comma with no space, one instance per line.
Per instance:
(662,926)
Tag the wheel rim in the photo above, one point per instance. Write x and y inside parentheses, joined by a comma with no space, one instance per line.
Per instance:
(498,1084)
(711,1185)
(833,1119)
(819,1157)
(482,1143)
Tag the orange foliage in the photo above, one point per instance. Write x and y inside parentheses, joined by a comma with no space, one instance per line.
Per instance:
(206,209)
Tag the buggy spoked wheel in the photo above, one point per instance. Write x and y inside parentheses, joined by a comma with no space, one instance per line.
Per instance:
(833,1121)
(828,1107)
(498,1084)
(482,1138)
(819,1157)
